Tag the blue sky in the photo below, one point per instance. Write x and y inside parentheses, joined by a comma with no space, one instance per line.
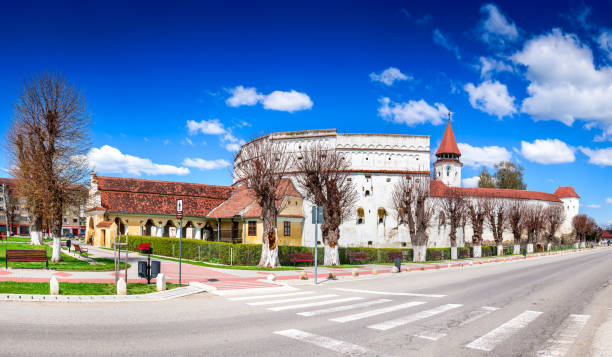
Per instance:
(173,89)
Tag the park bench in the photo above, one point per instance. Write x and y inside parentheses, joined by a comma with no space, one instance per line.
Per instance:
(435,255)
(300,257)
(79,249)
(393,255)
(464,253)
(25,255)
(357,256)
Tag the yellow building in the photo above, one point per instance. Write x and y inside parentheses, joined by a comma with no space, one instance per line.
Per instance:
(214,213)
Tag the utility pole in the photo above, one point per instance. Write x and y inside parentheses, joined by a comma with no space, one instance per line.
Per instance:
(317,218)
(179,216)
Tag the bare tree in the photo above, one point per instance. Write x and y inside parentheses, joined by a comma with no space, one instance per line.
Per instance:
(477,214)
(553,218)
(323,176)
(580,223)
(516,222)
(496,213)
(52,122)
(261,165)
(414,207)
(534,224)
(453,209)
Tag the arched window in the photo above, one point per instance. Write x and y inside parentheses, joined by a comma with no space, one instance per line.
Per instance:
(360,215)
(367,193)
(381,215)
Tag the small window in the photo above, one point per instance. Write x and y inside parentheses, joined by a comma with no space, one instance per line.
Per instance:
(367,193)
(360,215)
(382,213)
(252,228)
(403,244)
(388,179)
(370,243)
(74,220)
(287,228)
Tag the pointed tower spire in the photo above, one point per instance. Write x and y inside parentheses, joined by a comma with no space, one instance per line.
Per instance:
(448,144)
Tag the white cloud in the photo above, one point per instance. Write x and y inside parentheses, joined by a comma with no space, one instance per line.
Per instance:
(483,156)
(492,98)
(287,101)
(496,29)
(211,127)
(471,181)
(443,41)
(231,143)
(389,75)
(206,164)
(233,147)
(188,141)
(593,206)
(243,96)
(609,200)
(489,66)
(110,159)
(547,151)
(605,42)
(601,157)
(564,84)
(412,112)
(278,100)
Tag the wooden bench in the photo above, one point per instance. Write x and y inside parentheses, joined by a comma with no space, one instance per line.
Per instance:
(25,255)
(300,257)
(79,249)
(393,255)
(358,256)
(435,255)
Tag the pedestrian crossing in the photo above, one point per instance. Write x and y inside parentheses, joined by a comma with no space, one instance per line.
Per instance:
(362,310)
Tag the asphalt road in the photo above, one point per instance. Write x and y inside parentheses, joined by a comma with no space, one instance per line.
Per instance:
(544,306)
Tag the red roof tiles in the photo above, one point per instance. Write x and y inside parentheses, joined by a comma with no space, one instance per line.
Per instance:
(566,191)
(104,224)
(448,144)
(606,235)
(439,189)
(159,197)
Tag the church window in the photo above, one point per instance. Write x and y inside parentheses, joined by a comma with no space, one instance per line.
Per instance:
(360,215)
(381,215)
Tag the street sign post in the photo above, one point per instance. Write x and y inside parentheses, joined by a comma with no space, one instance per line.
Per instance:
(317,218)
(179,216)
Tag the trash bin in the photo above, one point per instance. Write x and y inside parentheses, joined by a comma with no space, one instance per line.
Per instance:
(68,244)
(398,264)
(142,269)
(155,268)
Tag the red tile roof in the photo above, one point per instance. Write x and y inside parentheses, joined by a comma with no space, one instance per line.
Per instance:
(439,189)
(131,195)
(242,203)
(566,191)
(606,235)
(104,224)
(448,144)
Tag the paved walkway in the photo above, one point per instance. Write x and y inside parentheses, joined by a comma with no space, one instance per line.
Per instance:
(226,279)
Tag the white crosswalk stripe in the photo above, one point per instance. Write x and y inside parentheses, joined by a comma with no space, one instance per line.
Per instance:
(343,308)
(494,337)
(282,301)
(565,336)
(311,304)
(389,293)
(371,313)
(255,297)
(435,334)
(331,344)
(383,326)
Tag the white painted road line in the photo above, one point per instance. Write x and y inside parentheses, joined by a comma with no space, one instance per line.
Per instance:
(338,346)
(491,339)
(383,326)
(565,336)
(255,297)
(384,310)
(310,304)
(388,293)
(282,301)
(343,308)
(435,334)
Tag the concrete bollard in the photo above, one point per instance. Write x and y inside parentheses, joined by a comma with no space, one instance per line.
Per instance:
(355,273)
(271,277)
(160,281)
(54,286)
(121,287)
(374,271)
(303,276)
(331,276)
(394,270)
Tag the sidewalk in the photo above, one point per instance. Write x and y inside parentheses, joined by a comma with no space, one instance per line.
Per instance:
(226,279)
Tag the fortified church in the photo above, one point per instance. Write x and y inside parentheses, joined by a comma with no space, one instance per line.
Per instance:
(231,214)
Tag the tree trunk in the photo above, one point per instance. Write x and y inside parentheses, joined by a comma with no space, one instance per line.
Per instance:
(583,244)
(419,253)
(269,252)
(500,250)
(56,256)
(549,247)
(453,253)
(517,249)
(331,256)
(477,251)
(529,248)
(36,237)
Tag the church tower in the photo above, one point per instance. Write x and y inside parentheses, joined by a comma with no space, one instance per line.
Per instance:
(447,167)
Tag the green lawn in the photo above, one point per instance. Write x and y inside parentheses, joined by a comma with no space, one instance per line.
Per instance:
(69,263)
(16,287)
(236,267)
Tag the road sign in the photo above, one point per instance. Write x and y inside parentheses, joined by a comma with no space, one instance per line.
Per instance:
(317,214)
(317,218)
(179,209)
